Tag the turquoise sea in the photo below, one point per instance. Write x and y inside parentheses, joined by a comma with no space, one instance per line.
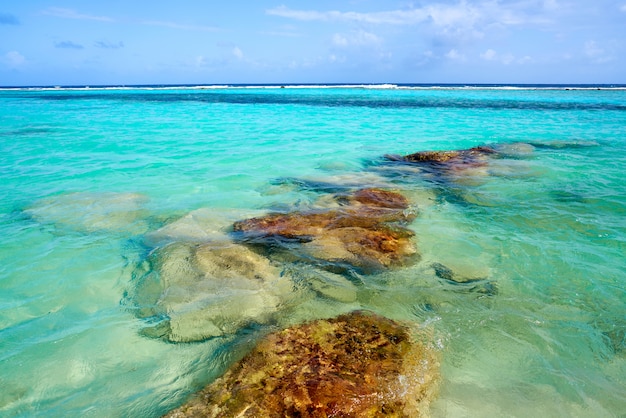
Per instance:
(95,181)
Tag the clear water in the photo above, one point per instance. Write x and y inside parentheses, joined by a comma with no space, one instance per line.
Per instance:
(87,175)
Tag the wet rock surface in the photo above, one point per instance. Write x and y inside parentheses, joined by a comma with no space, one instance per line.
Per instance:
(367,232)
(211,280)
(200,225)
(448,156)
(356,365)
(325,283)
(461,176)
(192,292)
(479,285)
(471,161)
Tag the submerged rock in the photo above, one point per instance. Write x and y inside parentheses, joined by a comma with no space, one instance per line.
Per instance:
(93,212)
(457,173)
(454,165)
(470,284)
(325,283)
(334,184)
(381,198)
(369,249)
(193,292)
(366,232)
(515,149)
(356,365)
(451,168)
(470,161)
(562,144)
(200,225)
(468,156)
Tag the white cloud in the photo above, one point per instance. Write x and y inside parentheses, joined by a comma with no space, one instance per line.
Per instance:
(448,22)
(356,38)
(340,40)
(73,14)
(446,27)
(181,26)
(284,11)
(506,59)
(238,53)
(200,61)
(366,38)
(332,58)
(461,14)
(623,8)
(551,5)
(453,54)
(592,50)
(14,59)
(393,17)
(597,53)
(489,55)
(423,60)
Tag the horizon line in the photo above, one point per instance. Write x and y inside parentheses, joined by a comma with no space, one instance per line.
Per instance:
(389,85)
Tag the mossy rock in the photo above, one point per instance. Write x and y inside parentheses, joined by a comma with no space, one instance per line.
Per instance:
(356,365)
(367,232)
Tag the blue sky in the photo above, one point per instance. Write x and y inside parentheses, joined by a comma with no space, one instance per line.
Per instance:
(61,42)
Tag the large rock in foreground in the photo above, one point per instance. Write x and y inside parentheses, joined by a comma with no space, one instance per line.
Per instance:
(356,365)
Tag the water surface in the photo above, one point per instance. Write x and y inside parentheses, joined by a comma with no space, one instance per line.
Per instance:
(87,175)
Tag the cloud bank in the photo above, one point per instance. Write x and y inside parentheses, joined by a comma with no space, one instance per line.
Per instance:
(462,14)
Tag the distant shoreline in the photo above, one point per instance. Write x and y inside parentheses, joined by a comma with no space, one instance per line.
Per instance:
(372,86)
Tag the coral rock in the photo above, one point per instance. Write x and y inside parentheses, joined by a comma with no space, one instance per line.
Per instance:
(449,156)
(195,292)
(369,249)
(382,198)
(356,365)
(366,233)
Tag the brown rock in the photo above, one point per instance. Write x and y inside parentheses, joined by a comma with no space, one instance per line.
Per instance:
(356,365)
(469,167)
(365,233)
(382,198)
(370,249)
(432,156)
(290,225)
(462,156)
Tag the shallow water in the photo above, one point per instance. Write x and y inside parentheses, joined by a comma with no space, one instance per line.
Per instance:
(89,176)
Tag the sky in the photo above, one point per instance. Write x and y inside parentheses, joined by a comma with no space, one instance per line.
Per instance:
(122,42)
